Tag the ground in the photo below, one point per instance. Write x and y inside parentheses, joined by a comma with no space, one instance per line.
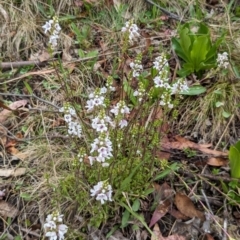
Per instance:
(173,166)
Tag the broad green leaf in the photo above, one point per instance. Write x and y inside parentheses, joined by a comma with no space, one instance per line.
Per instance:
(237,146)
(199,51)
(136,205)
(185,43)
(194,90)
(219,104)
(178,49)
(234,157)
(226,114)
(125,218)
(184,72)
(203,29)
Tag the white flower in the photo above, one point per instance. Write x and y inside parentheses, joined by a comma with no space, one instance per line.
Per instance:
(90,105)
(62,109)
(158,82)
(136,93)
(123,123)
(222,60)
(136,67)
(103,90)
(53,28)
(47,26)
(67,118)
(54,228)
(102,197)
(51,235)
(91,159)
(102,191)
(132,30)
(62,229)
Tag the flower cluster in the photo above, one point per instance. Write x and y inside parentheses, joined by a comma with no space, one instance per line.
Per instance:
(162,81)
(140,92)
(74,128)
(119,111)
(132,31)
(101,150)
(54,227)
(96,99)
(101,122)
(222,60)
(179,86)
(53,27)
(137,67)
(102,191)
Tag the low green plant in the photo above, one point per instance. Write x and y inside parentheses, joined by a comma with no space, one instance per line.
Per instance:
(234,157)
(196,49)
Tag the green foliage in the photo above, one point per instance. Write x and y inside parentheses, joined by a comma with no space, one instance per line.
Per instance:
(195,48)
(189,152)
(82,35)
(194,90)
(234,157)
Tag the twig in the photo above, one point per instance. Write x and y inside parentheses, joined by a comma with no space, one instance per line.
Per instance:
(171,15)
(11,65)
(207,202)
(28,231)
(29,96)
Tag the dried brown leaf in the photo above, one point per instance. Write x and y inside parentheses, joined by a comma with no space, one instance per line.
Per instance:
(15,105)
(3,136)
(163,196)
(217,161)
(160,211)
(183,143)
(12,172)
(178,215)
(186,206)
(7,210)
(158,235)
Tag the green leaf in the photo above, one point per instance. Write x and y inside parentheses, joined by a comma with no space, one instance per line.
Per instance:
(226,114)
(203,29)
(26,196)
(137,216)
(93,53)
(81,53)
(185,42)
(234,157)
(219,104)
(178,49)
(29,89)
(136,205)
(125,218)
(171,168)
(194,90)
(224,186)
(199,51)
(112,231)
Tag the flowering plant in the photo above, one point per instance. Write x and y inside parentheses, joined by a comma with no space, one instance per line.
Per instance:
(54,228)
